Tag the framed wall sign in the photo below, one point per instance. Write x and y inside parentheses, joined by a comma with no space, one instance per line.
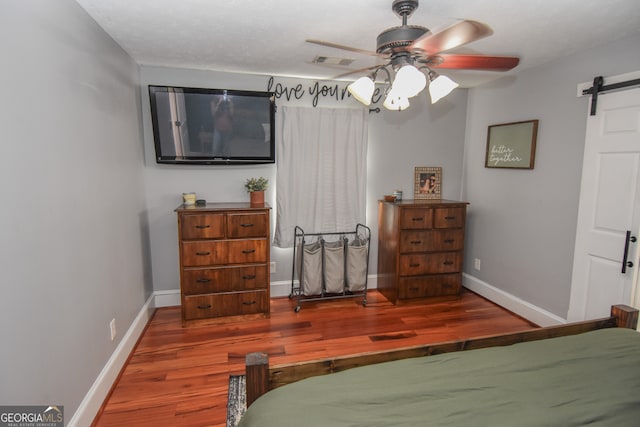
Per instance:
(428,183)
(512,145)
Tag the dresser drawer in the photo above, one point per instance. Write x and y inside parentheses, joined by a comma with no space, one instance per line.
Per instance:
(449,218)
(202,226)
(430,286)
(228,304)
(204,281)
(415,218)
(431,240)
(196,254)
(247,251)
(246,225)
(224,279)
(249,277)
(418,264)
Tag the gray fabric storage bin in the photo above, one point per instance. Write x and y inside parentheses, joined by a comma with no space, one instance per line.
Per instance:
(310,268)
(357,255)
(334,267)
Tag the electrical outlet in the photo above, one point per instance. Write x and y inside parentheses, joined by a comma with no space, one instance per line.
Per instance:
(272,267)
(112,327)
(476,263)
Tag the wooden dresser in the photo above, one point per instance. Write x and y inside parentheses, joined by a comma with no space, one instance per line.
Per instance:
(420,249)
(224,260)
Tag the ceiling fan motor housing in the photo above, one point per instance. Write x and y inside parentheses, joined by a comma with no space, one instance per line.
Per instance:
(396,38)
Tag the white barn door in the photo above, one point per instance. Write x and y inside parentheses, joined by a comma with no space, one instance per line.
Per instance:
(609,212)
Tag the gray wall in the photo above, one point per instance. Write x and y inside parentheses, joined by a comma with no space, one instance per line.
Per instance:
(87,214)
(522,223)
(424,135)
(72,217)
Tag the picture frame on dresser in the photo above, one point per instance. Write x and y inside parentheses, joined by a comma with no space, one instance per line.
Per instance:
(427,182)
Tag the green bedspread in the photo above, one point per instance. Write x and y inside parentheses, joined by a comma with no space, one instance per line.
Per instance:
(593,378)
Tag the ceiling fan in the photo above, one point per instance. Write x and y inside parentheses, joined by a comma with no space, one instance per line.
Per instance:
(411,49)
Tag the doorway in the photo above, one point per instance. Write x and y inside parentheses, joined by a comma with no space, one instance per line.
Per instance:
(609,210)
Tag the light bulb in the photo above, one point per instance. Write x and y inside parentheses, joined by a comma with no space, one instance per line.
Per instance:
(395,101)
(362,89)
(409,81)
(440,87)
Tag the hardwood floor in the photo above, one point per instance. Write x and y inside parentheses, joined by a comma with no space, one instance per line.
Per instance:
(178,376)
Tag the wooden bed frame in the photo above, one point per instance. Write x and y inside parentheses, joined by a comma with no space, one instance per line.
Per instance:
(260,378)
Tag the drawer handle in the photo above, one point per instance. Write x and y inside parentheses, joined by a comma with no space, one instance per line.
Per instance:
(416,242)
(203,226)
(204,307)
(203,280)
(417,219)
(449,218)
(448,263)
(248,251)
(249,277)
(203,253)
(248,302)
(449,241)
(246,225)
(414,265)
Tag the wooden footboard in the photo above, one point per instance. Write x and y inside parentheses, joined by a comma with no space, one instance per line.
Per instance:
(261,378)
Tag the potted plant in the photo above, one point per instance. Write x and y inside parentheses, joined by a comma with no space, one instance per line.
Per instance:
(256,188)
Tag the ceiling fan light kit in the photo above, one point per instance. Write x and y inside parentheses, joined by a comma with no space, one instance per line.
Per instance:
(412,50)
(440,86)
(362,89)
(395,101)
(409,81)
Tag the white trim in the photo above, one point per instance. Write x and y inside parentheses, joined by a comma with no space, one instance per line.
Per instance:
(94,399)
(169,298)
(512,303)
(280,289)
(608,81)
(283,288)
(96,395)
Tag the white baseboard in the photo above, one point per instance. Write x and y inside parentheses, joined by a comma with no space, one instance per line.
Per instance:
(283,287)
(512,303)
(93,400)
(168,298)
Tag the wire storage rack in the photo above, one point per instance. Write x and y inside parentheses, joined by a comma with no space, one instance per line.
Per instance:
(330,265)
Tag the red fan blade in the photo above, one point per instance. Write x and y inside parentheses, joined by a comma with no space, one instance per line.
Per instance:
(339,46)
(456,35)
(476,62)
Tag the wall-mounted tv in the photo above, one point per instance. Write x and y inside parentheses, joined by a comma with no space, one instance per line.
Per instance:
(212,126)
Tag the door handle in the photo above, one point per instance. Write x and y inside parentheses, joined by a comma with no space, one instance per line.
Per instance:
(628,239)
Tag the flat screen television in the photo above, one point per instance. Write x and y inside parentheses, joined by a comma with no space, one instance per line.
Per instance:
(212,126)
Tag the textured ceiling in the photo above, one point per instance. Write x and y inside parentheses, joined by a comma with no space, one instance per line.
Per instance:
(268,36)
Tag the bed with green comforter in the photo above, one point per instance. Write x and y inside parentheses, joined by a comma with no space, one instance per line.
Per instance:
(591,378)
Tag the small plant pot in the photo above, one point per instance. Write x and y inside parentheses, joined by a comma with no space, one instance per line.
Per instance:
(257,198)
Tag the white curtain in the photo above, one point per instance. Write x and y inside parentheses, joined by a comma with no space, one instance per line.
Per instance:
(322,168)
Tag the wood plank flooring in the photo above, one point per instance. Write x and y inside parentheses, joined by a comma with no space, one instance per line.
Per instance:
(179,376)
